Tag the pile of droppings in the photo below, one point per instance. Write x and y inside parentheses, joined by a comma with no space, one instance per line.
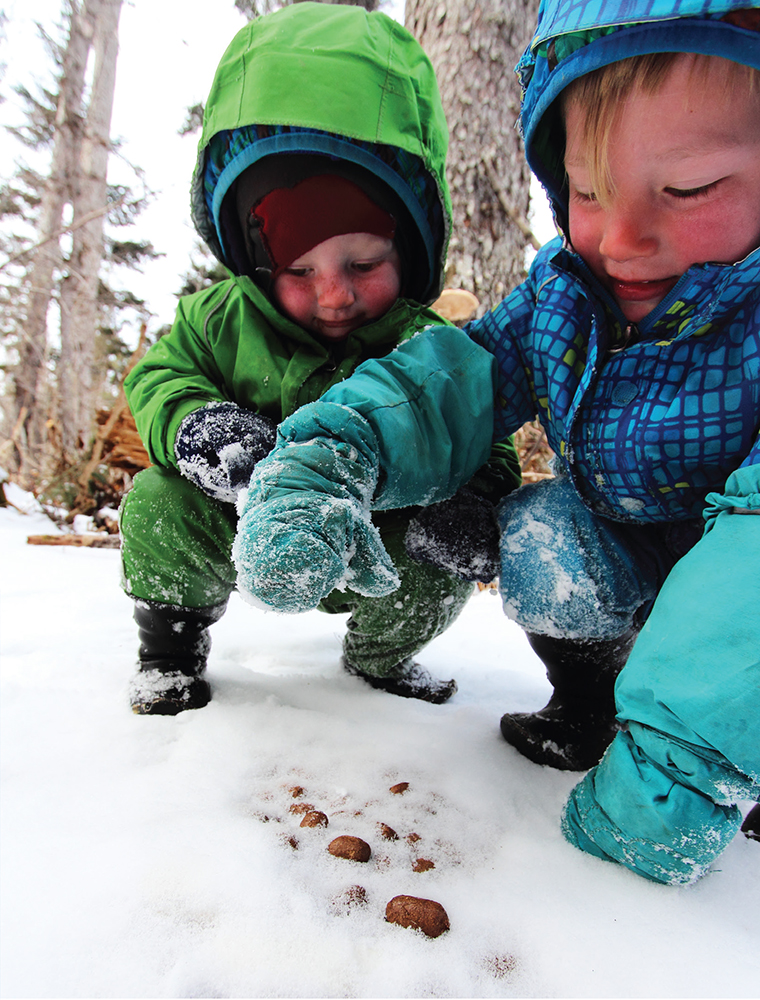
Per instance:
(314,817)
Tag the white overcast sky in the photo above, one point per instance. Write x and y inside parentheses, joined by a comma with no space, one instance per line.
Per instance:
(168,52)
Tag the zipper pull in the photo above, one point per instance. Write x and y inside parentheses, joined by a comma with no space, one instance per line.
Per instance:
(630,334)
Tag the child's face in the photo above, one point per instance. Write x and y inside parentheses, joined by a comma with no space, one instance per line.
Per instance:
(341,284)
(685,167)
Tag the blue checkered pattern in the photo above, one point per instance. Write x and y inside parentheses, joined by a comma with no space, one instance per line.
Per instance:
(648,431)
(582,15)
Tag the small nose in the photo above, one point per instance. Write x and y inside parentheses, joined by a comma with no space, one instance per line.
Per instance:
(628,234)
(335,292)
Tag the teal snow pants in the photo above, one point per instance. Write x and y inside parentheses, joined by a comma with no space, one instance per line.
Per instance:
(176,549)
(663,800)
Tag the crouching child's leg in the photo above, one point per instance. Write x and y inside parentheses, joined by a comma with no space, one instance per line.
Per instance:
(663,800)
(176,565)
(580,585)
(385,633)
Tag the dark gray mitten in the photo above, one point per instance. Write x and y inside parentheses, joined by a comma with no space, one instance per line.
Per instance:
(217,447)
(459,535)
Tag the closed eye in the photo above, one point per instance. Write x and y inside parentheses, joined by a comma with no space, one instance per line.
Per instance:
(697,192)
(585,197)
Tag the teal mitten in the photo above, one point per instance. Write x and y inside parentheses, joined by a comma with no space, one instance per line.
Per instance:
(305,528)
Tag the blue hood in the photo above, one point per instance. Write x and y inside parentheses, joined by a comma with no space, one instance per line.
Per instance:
(573,38)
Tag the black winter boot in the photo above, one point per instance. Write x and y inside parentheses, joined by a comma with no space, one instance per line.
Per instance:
(414,682)
(174,647)
(751,824)
(577,725)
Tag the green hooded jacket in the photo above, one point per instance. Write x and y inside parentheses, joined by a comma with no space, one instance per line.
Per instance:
(229,342)
(362,86)
(312,78)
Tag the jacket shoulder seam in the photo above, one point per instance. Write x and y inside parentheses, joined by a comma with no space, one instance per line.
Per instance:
(212,312)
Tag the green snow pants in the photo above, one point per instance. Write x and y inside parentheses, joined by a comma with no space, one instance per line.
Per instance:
(176,549)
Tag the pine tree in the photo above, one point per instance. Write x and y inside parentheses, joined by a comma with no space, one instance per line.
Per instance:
(54,388)
(88,194)
(474,46)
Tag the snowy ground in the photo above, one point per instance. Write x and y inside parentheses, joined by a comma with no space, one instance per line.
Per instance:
(150,857)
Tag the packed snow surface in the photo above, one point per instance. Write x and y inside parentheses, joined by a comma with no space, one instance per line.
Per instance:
(154,857)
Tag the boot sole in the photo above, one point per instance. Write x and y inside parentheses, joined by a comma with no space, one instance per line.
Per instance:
(518,730)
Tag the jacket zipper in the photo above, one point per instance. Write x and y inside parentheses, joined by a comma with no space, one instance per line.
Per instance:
(630,334)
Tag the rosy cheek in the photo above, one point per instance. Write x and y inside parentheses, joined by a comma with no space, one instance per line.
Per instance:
(380,301)
(293,297)
(581,231)
(704,239)
(382,289)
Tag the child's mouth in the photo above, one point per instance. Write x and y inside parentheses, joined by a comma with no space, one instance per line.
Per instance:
(641,291)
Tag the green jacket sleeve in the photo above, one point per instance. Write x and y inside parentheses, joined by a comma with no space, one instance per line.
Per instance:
(500,475)
(230,343)
(662,800)
(178,375)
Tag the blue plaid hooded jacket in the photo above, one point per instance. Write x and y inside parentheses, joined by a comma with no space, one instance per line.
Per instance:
(645,432)
(666,428)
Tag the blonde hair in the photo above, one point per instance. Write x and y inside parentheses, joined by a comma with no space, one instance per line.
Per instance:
(602,93)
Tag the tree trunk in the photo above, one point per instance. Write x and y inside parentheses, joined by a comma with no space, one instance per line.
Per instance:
(474,46)
(79,291)
(30,376)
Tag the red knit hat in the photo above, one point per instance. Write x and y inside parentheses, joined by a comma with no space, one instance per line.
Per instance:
(293,220)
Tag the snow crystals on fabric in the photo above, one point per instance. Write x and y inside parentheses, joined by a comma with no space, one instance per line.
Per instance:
(217,447)
(459,535)
(147,684)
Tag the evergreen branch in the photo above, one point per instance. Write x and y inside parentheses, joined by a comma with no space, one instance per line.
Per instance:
(72,227)
(509,210)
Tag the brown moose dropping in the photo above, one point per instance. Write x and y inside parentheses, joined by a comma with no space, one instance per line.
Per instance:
(421,914)
(352,848)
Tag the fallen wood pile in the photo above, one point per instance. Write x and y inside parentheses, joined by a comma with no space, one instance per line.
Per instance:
(99,540)
(122,447)
(534,452)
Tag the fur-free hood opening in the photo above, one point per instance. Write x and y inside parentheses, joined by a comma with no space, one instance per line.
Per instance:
(573,39)
(338,82)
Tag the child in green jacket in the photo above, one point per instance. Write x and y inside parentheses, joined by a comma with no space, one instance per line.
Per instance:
(332,214)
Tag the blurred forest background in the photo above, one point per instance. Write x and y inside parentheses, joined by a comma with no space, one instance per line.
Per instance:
(71,242)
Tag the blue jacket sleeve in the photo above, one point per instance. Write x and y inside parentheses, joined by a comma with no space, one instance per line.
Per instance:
(662,800)
(430,404)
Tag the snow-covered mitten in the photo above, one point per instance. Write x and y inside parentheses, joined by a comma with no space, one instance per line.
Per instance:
(459,535)
(218,445)
(304,526)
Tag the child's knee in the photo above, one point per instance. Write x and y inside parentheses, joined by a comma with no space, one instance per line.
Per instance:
(564,571)
(156,491)
(176,541)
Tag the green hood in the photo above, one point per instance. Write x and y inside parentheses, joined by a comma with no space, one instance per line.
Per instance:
(339,82)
